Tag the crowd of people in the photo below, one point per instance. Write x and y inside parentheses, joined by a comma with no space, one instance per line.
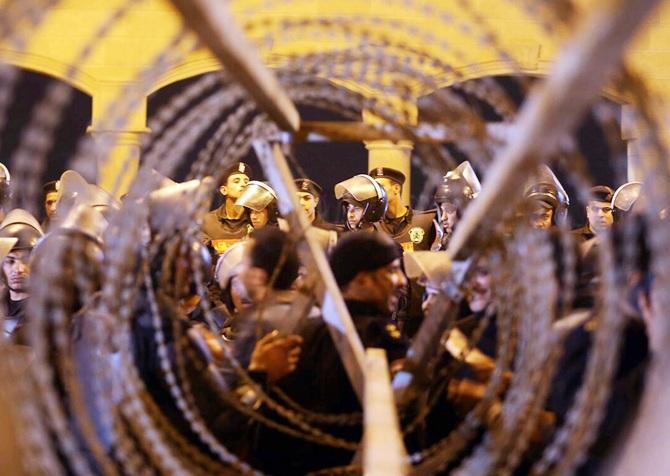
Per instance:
(388,261)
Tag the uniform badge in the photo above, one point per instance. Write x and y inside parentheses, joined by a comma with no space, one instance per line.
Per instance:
(416,234)
(220,246)
(393,331)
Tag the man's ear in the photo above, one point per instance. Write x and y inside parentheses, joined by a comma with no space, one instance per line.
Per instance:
(397,188)
(223,190)
(316,201)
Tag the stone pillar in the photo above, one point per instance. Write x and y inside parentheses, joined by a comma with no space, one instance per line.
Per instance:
(631,135)
(384,153)
(118,167)
(397,155)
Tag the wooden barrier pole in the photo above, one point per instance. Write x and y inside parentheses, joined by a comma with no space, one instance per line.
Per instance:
(384,453)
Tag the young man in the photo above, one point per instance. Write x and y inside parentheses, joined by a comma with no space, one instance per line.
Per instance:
(260,201)
(309,196)
(458,188)
(367,268)
(546,200)
(599,213)
(50,195)
(22,226)
(229,223)
(364,202)
(413,229)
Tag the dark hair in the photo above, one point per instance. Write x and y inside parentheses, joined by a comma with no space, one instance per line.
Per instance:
(272,247)
(362,251)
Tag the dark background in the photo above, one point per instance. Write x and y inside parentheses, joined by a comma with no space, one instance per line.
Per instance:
(326,163)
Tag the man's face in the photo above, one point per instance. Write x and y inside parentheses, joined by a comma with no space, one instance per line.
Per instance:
(599,215)
(448,217)
(16,270)
(259,219)
(50,203)
(386,285)
(308,202)
(392,188)
(354,215)
(479,287)
(235,185)
(541,216)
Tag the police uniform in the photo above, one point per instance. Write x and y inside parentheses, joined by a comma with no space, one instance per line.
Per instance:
(19,231)
(221,230)
(415,230)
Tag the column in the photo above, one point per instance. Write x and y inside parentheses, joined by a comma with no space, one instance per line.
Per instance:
(118,167)
(630,134)
(397,155)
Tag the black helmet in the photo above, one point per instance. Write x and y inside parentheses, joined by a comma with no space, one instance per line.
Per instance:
(363,191)
(21,225)
(458,186)
(548,189)
(258,196)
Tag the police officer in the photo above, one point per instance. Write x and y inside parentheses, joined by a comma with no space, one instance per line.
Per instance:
(22,226)
(547,200)
(50,198)
(364,202)
(599,213)
(260,200)
(309,196)
(229,223)
(413,229)
(458,188)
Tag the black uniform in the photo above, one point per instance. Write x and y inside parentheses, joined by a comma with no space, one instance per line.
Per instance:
(320,383)
(414,231)
(15,321)
(223,232)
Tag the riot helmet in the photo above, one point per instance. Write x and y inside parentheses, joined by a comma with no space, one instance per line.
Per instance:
(459,186)
(257,197)
(364,192)
(21,225)
(546,191)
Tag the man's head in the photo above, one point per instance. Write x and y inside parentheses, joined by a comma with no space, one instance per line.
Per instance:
(354,213)
(50,194)
(270,252)
(599,208)
(541,214)
(309,194)
(261,201)
(391,180)
(479,286)
(459,186)
(363,200)
(367,268)
(235,180)
(16,270)
(24,228)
